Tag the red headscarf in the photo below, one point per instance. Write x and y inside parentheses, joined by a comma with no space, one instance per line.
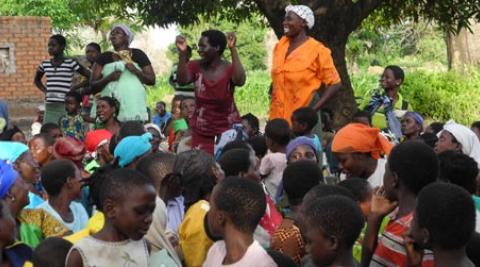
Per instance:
(358,137)
(69,148)
(94,138)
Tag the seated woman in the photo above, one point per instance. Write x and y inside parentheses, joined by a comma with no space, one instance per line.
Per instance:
(215,80)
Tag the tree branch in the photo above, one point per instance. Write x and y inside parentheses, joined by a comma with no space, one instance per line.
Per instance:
(274,11)
(361,10)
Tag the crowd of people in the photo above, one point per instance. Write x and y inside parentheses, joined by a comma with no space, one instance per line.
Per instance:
(102,182)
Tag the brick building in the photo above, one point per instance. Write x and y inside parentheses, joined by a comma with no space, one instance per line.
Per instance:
(23,45)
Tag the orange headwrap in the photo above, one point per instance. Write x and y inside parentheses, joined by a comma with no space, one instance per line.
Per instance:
(358,137)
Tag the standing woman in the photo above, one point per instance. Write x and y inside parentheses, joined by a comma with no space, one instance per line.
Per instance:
(214,80)
(59,72)
(122,73)
(301,65)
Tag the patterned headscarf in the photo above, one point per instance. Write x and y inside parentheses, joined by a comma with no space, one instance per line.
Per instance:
(304,12)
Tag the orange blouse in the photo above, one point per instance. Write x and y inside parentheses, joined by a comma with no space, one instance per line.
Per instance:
(296,77)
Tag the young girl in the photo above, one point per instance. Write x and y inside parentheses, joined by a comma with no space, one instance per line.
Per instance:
(128,200)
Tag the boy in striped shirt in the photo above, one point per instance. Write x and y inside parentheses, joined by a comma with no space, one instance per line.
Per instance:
(59,75)
(410,167)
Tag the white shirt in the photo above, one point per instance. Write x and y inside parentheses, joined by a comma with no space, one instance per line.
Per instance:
(80,216)
(273,165)
(255,256)
(376,179)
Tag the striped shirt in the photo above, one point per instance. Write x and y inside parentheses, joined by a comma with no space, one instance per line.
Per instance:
(390,249)
(59,79)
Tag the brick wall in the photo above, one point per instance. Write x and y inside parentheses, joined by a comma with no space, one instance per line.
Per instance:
(23,45)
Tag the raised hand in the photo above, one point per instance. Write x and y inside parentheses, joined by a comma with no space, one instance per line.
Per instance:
(114,76)
(414,255)
(181,43)
(380,204)
(231,40)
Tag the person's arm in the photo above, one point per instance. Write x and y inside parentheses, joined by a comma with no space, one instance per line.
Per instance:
(327,94)
(74,259)
(239,75)
(38,81)
(98,82)
(146,75)
(184,75)
(380,208)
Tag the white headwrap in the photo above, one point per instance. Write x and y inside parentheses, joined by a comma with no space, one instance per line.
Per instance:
(466,137)
(304,12)
(126,30)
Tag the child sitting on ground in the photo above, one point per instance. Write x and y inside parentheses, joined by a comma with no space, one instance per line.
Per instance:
(277,133)
(252,125)
(199,176)
(237,205)
(41,146)
(52,129)
(72,124)
(410,167)
(128,200)
(241,162)
(51,252)
(332,224)
(303,122)
(298,179)
(61,179)
(444,222)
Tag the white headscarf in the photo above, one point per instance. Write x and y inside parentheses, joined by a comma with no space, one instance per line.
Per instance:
(126,30)
(466,137)
(304,12)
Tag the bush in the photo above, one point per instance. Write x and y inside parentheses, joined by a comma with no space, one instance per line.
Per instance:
(438,96)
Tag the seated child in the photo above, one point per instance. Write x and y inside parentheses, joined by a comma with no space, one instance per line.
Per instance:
(41,146)
(362,192)
(298,179)
(259,145)
(241,162)
(199,176)
(128,201)
(237,205)
(303,122)
(410,167)
(444,222)
(156,166)
(52,129)
(61,179)
(51,252)
(72,124)
(277,134)
(462,170)
(332,224)
(251,123)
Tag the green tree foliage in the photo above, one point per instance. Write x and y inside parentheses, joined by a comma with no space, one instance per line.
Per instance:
(250,40)
(59,11)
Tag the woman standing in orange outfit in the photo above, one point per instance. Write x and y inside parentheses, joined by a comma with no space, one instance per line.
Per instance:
(301,65)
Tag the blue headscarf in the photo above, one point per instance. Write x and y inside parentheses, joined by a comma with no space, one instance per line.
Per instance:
(7,178)
(132,147)
(416,116)
(301,140)
(11,151)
